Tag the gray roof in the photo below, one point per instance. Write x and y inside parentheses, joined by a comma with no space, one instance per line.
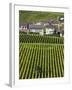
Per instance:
(49,26)
(22,25)
(36,26)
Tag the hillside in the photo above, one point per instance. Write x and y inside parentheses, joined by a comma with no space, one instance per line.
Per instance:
(35,16)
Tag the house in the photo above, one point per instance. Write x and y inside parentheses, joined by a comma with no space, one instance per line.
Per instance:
(36,29)
(49,29)
(23,27)
(41,29)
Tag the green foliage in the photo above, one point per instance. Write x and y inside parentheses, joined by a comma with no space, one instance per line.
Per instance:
(49,58)
(35,16)
(40,39)
(44,52)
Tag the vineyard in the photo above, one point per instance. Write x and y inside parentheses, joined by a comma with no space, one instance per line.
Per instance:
(40,56)
(40,39)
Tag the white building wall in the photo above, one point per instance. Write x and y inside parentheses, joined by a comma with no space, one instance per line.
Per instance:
(41,32)
(49,31)
(32,30)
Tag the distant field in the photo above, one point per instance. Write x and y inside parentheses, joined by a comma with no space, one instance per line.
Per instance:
(45,52)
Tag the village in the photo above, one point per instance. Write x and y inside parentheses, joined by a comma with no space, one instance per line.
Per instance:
(48,27)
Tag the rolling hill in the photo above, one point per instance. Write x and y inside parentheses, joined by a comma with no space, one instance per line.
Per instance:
(35,16)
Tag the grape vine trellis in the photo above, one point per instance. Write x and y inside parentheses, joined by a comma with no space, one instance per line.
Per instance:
(40,56)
